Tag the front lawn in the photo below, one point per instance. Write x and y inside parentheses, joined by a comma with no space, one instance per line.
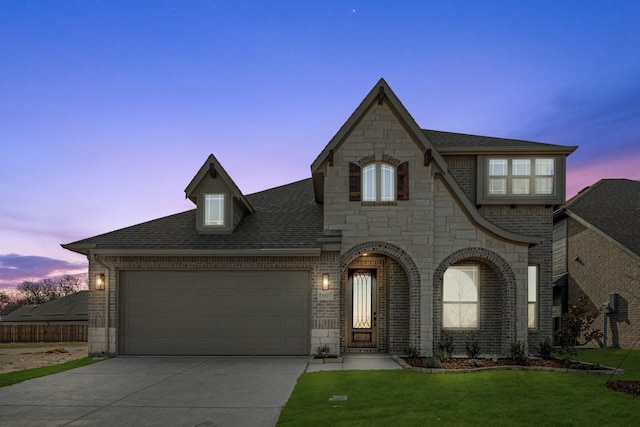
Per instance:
(410,398)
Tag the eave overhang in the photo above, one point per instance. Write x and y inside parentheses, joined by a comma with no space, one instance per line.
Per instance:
(551,150)
(92,249)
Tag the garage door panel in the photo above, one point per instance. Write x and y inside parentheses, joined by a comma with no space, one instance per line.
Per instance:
(214,312)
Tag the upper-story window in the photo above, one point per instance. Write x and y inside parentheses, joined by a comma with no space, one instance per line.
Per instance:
(520,179)
(379,182)
(214,209)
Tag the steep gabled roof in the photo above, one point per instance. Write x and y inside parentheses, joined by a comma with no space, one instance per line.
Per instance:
(284,218)
(213,167)
(380,93)
(611,207)
(71,308)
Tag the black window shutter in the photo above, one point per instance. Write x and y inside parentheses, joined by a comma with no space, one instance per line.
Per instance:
(355,182)
(403,181)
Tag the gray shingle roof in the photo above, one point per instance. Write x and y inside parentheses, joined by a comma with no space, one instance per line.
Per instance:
(613,207)
(74,307)
(285,217)
(459,140)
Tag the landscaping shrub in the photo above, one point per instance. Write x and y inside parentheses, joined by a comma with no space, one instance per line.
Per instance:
(445,346)
(518,352)
(323,350)
(546,349)
(412,352)
(472,346)
(431,362)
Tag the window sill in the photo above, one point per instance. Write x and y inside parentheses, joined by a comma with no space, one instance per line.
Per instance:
(394,203)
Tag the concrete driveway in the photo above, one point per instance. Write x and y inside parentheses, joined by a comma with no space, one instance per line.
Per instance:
(157,391)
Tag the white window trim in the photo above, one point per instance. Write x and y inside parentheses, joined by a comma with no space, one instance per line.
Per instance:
(221,210)
(484,195)
(379,193)
(475,269)
(533,270)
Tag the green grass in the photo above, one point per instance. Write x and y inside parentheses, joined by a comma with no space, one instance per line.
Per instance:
(496,398)
(29,374)
(613,357)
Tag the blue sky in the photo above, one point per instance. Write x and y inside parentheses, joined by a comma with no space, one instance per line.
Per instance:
(108,108)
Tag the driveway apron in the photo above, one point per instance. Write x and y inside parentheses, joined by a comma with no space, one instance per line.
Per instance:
(157,391)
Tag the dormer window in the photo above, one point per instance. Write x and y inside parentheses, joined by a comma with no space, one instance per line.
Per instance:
(214,210)
(518,180)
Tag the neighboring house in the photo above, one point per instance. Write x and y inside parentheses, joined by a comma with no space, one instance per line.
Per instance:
(399,235)
(597,253)
(64,319)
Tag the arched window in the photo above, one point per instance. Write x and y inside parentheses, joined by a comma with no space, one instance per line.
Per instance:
(460,297)
(379,183)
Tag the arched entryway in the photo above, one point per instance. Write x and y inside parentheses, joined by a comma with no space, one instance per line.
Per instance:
(379,299)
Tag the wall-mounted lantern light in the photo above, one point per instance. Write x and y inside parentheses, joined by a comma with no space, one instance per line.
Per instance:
(325,281)
(99,282)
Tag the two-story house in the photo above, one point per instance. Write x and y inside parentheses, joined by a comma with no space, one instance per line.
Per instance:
(399,235)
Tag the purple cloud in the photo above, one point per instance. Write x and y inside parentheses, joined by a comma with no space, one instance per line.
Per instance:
(14,268)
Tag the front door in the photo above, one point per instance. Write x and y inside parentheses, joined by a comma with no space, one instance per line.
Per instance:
(362,309)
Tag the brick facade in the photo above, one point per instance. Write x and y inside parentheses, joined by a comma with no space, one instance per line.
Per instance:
(324,322)
(533,220)
(598,268)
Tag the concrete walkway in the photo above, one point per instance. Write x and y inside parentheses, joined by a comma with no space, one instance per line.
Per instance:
(357,361)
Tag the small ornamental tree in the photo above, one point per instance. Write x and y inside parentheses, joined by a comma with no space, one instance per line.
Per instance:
(577,327)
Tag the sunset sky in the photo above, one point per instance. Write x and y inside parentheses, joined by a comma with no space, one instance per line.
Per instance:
(108,108)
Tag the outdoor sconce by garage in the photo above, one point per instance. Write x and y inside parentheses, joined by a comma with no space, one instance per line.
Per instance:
(325,281)
(99,282)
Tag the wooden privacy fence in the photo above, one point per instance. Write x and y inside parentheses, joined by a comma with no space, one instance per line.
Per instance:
(43,332)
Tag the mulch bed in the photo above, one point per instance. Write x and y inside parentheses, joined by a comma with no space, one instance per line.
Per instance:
(624,386)
(462,363)
(628,387)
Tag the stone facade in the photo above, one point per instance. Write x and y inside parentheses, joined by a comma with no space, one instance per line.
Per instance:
(427,229)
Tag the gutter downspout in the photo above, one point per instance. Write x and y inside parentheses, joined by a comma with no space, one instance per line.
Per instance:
(93,257)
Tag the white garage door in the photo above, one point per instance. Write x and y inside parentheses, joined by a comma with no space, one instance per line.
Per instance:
(214,313)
